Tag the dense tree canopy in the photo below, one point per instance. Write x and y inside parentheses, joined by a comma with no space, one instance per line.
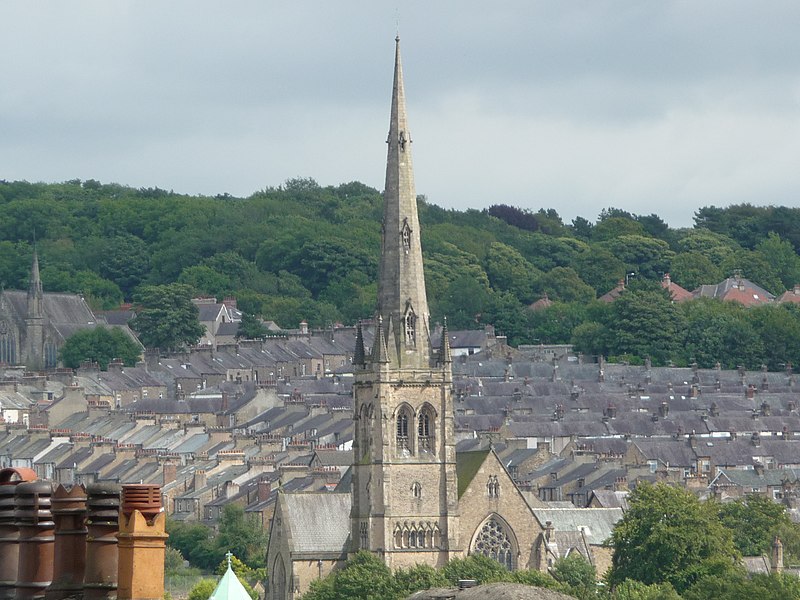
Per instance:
(100,345)
(165,317)
(302,251)
(668,535)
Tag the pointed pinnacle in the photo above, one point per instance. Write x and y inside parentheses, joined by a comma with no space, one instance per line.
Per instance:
(359,355)
(380,353)
(444,348)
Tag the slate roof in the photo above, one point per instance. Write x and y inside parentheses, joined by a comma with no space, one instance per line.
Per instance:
(596,523)
(736,289)
(467,466)
(318,521)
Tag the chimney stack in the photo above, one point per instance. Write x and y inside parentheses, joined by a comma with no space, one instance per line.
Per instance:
(69,515)
(34,521)
(142,543)
(102,512)
(9,533)
(263,490)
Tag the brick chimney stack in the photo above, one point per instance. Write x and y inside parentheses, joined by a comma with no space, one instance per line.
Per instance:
(142,543)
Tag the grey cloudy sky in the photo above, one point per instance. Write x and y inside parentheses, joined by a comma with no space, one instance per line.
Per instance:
(648,106)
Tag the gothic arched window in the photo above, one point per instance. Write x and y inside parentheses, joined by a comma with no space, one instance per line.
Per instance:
(405,234)
(402,439)
(425,430)
(494,541)
(410,321)
(493,487)
(416,490)
(278,580)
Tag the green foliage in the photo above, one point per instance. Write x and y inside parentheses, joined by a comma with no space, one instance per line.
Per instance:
(668,535)
(754,522)
(630,589)
(100,345)
(237,533)
(476,566)
(737,585)
(577,574)
(690,270)
(251,328)
(244,574)
(173,561)
(305,251)
(418,577)
(508,271)
(242,535)
(364,577)
(202,590)
(645,323)
(165,317)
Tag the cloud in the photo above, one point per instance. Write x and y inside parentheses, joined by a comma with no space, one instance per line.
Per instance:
(651,107)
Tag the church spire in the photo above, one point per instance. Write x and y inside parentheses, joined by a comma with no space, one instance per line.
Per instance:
(402,301)
(35,294)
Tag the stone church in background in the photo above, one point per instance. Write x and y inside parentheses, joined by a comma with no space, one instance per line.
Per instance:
(34,324)
(408,497)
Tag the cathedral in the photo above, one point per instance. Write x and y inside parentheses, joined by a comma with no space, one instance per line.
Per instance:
(412,499)
(34,324)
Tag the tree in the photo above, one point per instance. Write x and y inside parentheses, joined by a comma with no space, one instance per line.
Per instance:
(202,590)
(753,520)
(648,257)
(508,271)
(364,577)
(577,574)
(475,566)
(668,535)
(564,284)
(693,269)
(165,317)
(738,585)
(243,573)
(418,577)
(721,332)
(645,323)
(781,255)
(242,535)
(100,345)
(630,589)
(778,326)
(251,328)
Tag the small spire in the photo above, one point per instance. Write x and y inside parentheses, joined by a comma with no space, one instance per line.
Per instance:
(229,556)
(359,355)
(444,348)
(380,353)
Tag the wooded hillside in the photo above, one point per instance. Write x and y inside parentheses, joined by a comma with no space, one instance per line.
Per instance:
(302,251)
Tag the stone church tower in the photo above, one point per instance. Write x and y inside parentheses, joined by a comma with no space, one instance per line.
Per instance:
(404,489)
